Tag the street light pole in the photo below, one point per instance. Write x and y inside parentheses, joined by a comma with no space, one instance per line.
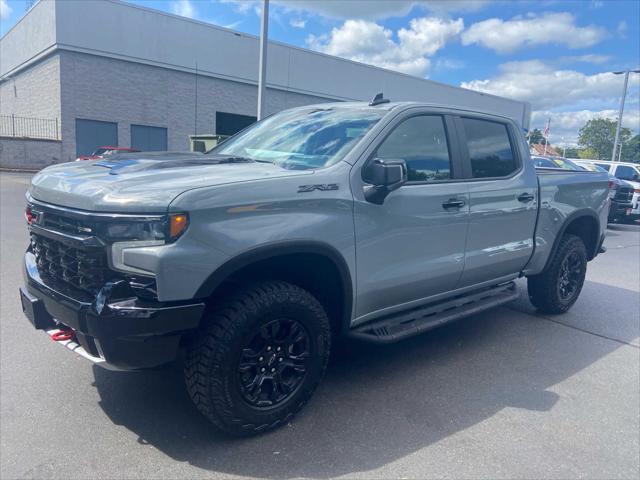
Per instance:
(619,126)
(262,68)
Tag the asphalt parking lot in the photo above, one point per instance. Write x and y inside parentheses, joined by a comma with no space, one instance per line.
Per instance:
(505,394)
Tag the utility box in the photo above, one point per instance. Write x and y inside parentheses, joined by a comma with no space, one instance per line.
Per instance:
(205,142)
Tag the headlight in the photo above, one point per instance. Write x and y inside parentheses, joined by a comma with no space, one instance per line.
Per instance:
(140,232)
(154,228)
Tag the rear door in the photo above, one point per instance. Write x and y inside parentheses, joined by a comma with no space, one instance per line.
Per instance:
(503,199)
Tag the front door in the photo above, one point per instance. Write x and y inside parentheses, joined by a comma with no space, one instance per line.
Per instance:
(412,246)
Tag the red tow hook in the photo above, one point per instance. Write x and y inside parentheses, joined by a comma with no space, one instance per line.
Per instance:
(62,335)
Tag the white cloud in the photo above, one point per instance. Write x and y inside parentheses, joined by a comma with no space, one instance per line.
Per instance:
(368,42)
(5,10)
(297,23)
(449,64)
(568,124)
(546,88)
(622,29)
(589,58)
(505,36)
(367,10)
(184,8)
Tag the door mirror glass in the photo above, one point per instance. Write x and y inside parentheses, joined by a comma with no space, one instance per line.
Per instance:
(383,177)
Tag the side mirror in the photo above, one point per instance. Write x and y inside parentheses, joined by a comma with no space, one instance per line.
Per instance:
(383,177)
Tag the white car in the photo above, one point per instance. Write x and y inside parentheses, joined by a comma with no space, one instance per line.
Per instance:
(627,171)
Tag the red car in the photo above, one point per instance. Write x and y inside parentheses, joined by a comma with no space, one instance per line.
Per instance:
(102,152)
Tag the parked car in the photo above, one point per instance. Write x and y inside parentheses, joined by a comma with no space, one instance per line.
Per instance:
(372,221)
(620,192)
(630,173)
(554,162)
(102,152)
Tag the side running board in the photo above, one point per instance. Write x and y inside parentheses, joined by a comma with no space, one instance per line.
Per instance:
(418,320)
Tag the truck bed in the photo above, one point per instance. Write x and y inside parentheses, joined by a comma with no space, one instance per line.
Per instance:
(564,194)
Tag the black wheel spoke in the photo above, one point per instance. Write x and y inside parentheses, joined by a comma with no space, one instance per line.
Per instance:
(569,275)
(274,363)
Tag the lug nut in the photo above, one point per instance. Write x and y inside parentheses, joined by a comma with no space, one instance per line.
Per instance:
(268,349)
(273,370)
(278,349)
(261,359)
(262,369)
(280,359)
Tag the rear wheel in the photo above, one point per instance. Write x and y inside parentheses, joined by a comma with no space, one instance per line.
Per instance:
(258,358)
(557,288)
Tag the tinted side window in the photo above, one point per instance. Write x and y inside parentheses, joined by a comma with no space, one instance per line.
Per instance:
(624,172)
(606,166)
(489,148)
(422,143)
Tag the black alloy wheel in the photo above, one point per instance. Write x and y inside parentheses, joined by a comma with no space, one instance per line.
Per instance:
(569,276)
(273,364)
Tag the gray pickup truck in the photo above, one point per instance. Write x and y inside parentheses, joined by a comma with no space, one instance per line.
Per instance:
(373,221)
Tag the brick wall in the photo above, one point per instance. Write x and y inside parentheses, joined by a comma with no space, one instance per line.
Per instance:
(34,92)
(29,154)
(100,88)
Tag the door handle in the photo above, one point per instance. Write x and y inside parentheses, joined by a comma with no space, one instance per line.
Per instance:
(525,197)
(453,203)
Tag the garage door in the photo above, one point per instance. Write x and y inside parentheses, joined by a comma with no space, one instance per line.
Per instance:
(148,139)
(91,134)
(232,123)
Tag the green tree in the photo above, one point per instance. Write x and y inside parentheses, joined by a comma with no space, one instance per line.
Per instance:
(590,154)
(631,150)
(535,136)
(598,135)
(572,152)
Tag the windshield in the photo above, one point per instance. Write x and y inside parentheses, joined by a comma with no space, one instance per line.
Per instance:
(542,162)
(302,139)
(592,167)
(566,164)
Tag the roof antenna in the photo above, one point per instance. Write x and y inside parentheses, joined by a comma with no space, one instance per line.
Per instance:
(378,100)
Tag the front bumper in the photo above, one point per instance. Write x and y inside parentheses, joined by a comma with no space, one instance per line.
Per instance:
(116,329)
(622,211)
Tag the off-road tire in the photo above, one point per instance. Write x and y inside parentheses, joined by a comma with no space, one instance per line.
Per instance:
(211,360)
(543,288)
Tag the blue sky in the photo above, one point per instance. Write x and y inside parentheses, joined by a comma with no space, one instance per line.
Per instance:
(554,54)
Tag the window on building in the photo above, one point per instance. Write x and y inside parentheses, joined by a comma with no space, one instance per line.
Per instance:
(92,134)
(148,139)
(489,148)
(625,172)
(232,123)
(422,143)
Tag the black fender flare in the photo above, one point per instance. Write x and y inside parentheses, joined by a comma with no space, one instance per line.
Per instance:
(276,249)
(583,212)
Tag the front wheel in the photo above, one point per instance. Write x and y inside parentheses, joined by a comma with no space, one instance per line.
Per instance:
(258,357)
(557,288)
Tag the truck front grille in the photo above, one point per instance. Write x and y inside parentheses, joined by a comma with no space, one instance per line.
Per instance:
(83,269)
(623,195)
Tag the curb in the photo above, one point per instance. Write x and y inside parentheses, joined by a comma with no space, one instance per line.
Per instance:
(20,170)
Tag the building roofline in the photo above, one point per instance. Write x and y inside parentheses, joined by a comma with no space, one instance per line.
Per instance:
(122,3)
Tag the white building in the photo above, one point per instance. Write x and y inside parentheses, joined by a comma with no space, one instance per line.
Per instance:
(78,75)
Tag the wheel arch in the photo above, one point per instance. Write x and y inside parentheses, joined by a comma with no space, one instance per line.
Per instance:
(282,259)
(583,223)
